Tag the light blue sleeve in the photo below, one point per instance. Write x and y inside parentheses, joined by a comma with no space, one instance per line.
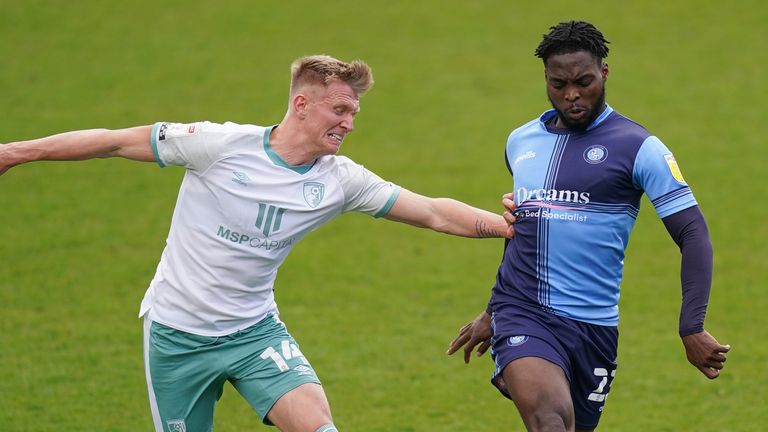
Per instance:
(657,173)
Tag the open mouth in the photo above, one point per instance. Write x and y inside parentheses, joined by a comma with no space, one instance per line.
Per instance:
(337,138)
(576,112)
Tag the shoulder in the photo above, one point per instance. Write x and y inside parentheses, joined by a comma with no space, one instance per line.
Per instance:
(340,167)
(625,128)
(230,128)
(528,128)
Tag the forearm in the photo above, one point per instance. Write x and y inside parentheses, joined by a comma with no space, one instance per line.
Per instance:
(689,230)
(447,216)
(457,218)
(80,145)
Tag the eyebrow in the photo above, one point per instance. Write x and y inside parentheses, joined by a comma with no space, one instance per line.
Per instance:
(347,105)
(577,78)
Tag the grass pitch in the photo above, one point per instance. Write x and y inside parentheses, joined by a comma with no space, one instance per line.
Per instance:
(373,304)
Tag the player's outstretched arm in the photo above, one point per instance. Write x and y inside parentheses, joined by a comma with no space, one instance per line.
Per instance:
(449,216)
(705,353)
(131,143)
(477,332)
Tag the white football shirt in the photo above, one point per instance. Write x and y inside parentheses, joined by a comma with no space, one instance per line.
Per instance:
(240,210)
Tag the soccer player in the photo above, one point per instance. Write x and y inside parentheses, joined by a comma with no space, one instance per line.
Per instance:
(579,172)
(249,194)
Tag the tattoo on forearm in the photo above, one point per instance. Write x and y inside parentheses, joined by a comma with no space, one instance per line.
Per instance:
(483,231)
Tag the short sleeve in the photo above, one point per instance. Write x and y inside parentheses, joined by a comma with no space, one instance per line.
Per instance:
(364,191)
(657,173)
(194,146)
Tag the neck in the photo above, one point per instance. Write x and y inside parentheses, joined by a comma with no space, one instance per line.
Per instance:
(288,143)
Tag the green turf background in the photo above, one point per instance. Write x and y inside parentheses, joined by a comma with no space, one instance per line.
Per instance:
(372,303)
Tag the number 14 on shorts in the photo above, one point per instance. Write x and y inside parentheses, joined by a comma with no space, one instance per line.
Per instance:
(288,351)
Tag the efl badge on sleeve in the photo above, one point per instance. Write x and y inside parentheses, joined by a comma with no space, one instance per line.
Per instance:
(176,130)
(313,193)
(674,168)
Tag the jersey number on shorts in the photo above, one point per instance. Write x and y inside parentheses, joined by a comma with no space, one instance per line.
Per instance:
(597,394)
(289,351)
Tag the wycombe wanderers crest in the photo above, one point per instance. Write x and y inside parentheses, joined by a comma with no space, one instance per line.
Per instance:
(313,193)
(595,154)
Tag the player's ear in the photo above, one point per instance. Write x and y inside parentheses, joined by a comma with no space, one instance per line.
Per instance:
(604,71)
(299,104)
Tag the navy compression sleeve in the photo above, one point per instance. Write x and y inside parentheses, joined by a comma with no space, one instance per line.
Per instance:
(689,230)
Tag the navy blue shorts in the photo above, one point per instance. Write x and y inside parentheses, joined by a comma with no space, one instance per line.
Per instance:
(585,352)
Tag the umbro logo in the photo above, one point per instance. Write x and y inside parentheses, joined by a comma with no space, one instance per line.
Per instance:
(240,178)
(303,370)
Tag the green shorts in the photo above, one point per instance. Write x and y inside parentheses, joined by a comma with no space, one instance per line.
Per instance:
(186,372)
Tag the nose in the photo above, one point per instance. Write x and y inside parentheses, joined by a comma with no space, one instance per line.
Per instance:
(348,123)
(571,94)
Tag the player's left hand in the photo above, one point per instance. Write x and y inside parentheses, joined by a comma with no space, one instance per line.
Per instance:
(705,353)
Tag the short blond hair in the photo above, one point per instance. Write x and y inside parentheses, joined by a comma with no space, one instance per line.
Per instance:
(322,69)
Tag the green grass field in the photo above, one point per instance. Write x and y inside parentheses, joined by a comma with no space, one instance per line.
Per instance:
(373,304)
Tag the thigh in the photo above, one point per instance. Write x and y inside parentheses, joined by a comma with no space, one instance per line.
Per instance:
(183,379)
(305,408)
(268,364)
(536,384)
(594,366)
(532,374)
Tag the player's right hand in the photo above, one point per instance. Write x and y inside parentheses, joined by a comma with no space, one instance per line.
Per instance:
(476,332)
(706,353)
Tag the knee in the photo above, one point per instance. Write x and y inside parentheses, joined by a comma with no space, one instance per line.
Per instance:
(548,417)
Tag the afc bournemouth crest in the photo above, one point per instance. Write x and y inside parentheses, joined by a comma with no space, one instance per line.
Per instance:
(313,193)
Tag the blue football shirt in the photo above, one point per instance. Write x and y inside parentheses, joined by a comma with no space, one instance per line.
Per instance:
(578,196)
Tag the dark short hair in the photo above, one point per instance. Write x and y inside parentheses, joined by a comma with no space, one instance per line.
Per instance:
(570,37)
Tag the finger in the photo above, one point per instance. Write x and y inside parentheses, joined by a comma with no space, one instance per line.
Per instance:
(510,232)
(483,348)
(509,195)
(467,354)
(718,357)
(509,204)
(509,217)
(709,372)
(468,349)
(716,365)
(457,343)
